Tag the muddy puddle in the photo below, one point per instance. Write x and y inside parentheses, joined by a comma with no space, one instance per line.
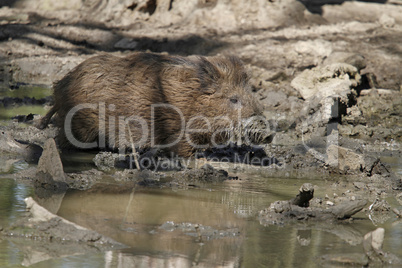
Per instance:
(23,100)
(211,225)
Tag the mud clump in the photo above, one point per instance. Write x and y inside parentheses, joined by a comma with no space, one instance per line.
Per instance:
(347,161)
(301,209)
(205,174)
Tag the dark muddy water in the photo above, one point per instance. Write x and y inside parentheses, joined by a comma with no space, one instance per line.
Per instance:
(155,224)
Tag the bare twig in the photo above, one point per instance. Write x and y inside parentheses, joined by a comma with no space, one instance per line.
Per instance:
(133,151)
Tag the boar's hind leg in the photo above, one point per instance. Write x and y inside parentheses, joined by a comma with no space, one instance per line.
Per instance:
(45,120)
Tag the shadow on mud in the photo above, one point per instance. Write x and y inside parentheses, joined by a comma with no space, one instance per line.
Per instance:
(315,6)
(104,39)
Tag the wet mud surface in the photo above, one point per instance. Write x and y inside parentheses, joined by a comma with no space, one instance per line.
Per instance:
(328,76)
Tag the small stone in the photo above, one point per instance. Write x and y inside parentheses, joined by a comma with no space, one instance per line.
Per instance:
(126,43)
(387,21)
(329,203)
(359,185)
(356,60)
(377,238)
(50,163)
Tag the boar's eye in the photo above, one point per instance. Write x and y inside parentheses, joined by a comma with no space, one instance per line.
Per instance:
(234,99)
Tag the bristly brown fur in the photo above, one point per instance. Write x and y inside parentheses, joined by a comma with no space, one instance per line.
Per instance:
(197,86)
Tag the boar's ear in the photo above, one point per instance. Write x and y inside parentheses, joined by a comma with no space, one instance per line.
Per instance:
(209,76)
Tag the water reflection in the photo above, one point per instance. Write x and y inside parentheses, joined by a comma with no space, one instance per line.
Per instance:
(11,165)
(12,206)
(125,259)
(136,216)
(12,197)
